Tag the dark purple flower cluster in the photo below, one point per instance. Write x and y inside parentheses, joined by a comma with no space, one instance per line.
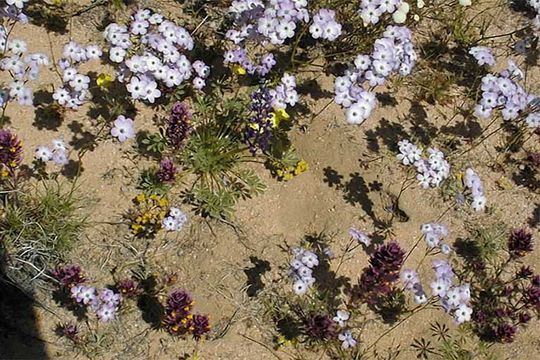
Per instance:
(504,305)
(258,131)
(179,320)
(167,171)
(377,279)
(178,126)
(10,153)
(533,158)
(68,330)
(320,327)
(68,275)
(525,272)
(506,332)
(128,288)
(520,243)
(200,325)
(532,297)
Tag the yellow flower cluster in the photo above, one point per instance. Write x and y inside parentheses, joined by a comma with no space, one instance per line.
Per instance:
(278,116)
(150,211)
(287,172)
(281,341)
(104,80)
(238,70)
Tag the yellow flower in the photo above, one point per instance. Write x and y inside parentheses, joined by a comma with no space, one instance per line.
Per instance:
(301,167)
(104,80)
(282,114)
(140,198)
(163,202)
(237,69)
(4,173)
(255,126)
(278,116)
(283,341)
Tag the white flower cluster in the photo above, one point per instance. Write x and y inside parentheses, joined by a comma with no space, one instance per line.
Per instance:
(20,67)
(431,170)
(536,20)
(453,298)
(325,25)
(433,234)
(274,22)
(473,182)
(393,52)
(301,270)
(74,91)
(175,221)
(12,9)
(58,154)
(533,120)
(371,11)
(150,52)
(503,92)
(346,338)
(285,92)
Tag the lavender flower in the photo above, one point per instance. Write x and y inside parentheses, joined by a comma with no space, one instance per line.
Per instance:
(152,54)
(431,171)
(175,221)
(463,313)
(301,270)
(21,68)
(58,154)
(473,182)
(106,312)
(503,92)
(482,55)
(347,340)
(359,236)
(433,234)
(325,25)
(372,11)
(123,128)
(261,23)
(74,91)
(341,317)
(393,52)
(409,278)
(85,295)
